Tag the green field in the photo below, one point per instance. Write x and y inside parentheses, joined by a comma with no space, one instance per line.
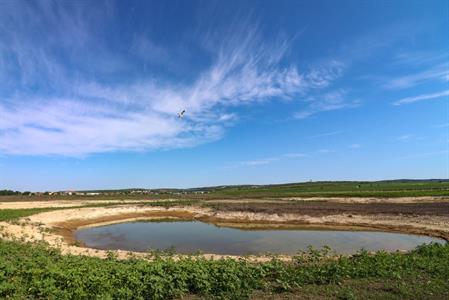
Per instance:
(339,189)
(33,271)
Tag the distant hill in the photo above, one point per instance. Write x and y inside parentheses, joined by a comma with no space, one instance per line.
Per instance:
(382,188)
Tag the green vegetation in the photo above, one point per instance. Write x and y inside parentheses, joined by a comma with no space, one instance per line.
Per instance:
(339,189)
(35,271)
(9,193)
(12,214)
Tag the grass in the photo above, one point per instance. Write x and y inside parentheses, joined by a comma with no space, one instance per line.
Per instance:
(12,214)
(35,271)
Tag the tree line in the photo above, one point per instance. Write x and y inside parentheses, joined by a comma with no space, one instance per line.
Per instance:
(12,193)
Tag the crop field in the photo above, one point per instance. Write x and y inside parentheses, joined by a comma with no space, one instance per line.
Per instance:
(318,209)
(340,189)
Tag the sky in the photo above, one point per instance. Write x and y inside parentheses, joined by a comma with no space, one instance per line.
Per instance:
(274,92)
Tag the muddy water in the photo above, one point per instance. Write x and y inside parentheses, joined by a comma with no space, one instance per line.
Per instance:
(189,237)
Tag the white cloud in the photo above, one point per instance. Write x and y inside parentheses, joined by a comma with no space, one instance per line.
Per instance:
(327,134)
(266,161)
(150,52)
(322,76)
(269,160)
(414,99)
(355,146)
(406,137)
(443,125)
(329,101)
(324,151)
(293,155)
(258,162)
(420,58)
(425,154)
(439,72)
(142,116)
(78,110)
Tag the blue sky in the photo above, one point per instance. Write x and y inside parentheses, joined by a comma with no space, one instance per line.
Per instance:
(274,91)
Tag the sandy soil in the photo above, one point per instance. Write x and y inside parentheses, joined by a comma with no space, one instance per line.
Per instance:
(56,227)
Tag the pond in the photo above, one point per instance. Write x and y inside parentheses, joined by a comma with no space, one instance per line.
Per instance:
(193,236)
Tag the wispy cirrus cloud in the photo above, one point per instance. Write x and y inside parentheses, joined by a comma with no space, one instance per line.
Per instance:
(423,97)
(325,151)
(323,75)
(441,125)
(296,154)
(61,98)
(355,146)
(267,160)
(327,102)
(420,58)
(439,72)
(425,154)
(259,162)
(330,133)
(406,137)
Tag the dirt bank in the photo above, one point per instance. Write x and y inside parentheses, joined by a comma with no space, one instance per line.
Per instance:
(319,209)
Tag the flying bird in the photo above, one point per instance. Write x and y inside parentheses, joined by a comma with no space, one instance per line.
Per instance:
(181,114)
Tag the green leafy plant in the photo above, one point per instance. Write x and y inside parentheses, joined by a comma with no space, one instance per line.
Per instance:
(37,271)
